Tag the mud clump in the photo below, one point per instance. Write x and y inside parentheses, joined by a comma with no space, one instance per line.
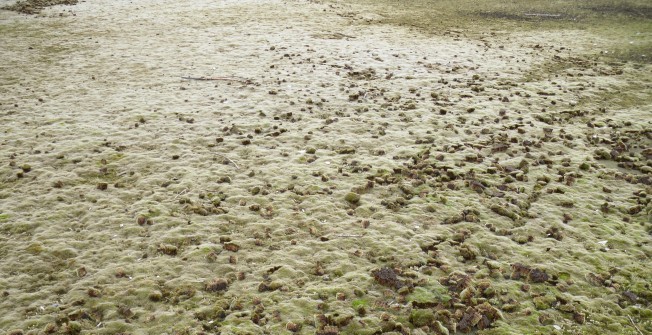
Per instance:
(387,277)
(293,327)
(520,271)
(231,247)
(479,317)
(217,285)
(457,281)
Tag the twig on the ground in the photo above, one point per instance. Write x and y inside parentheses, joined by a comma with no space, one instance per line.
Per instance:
(343,35)
(633,324)
(230,160)
(348,235)
(240,80)
(185,190)
(543,15)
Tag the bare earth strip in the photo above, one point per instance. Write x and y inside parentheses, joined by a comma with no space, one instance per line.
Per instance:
(272,167)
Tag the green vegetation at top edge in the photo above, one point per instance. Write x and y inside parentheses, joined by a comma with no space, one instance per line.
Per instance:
(626,24)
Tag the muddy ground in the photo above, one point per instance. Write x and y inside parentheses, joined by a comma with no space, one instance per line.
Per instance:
(277,167)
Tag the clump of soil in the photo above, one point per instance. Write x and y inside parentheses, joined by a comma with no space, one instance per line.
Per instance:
(35,6)
(387,277)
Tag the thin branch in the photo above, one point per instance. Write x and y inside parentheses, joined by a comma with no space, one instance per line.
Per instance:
(633,324)
(230,160)
(185,190)
(348,235)
(543,15)
(340,35)
(244,81)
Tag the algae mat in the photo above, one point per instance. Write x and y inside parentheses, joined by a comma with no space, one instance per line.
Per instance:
(330,173)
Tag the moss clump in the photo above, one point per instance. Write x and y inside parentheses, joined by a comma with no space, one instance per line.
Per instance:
(422,317)
(504,212)
(543,302)
(469,252)
(602,153)
(352,198)
(345,150)
(430,296)
(71,328)
(254,190)
(359,303)
(269,287)
(155,295)
(210,313)
(35,248)
(217,284)
(168,249)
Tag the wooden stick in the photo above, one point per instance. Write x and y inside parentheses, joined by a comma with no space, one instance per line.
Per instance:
(343,35)
(244,81)
(633,324)
(348,235)
(185,190)
(544,15)
(229,159)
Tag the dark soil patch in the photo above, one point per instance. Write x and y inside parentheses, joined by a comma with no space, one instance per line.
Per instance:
(623,10)
(35,6)
(522,16)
